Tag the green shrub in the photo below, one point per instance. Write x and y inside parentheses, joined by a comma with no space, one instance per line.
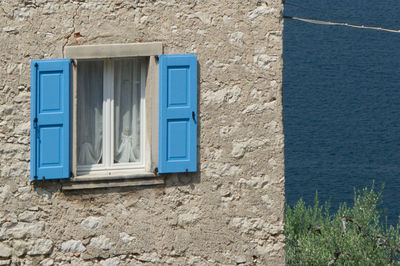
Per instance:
(351,236)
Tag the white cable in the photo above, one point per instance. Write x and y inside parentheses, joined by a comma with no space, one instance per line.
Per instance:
(314,21)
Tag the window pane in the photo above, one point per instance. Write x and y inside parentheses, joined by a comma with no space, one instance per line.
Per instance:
(127,94)
(90,112)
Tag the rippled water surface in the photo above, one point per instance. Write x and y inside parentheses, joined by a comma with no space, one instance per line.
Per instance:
(341,97)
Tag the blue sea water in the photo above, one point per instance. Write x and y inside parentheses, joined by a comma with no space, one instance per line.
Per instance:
(341,101)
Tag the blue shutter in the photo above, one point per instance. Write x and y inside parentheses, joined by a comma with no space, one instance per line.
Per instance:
(50,119)
(178,114)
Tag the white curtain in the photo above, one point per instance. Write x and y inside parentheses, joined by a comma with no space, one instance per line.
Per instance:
(127,94)
(90,112)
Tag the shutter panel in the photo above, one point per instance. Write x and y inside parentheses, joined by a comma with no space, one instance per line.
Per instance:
(50,119)
(178,114)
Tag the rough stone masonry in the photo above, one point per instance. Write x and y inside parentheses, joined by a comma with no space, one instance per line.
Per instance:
(229,212)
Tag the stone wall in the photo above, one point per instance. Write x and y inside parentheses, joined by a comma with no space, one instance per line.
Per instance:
(230,212)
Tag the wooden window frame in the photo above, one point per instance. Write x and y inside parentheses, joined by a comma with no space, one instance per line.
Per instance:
(150,115)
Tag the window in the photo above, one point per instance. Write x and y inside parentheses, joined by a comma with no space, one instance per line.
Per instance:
(113,111)
(111,115)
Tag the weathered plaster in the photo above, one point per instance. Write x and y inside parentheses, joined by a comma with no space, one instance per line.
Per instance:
(230,212)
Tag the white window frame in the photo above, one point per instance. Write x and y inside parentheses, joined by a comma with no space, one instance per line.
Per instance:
(149,112)
(108,167)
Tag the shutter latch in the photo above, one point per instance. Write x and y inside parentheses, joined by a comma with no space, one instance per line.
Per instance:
(35,120)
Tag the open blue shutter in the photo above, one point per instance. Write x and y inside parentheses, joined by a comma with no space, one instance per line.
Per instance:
(50,119)
(178,114)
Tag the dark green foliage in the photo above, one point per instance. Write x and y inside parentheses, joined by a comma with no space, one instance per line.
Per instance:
(351,236)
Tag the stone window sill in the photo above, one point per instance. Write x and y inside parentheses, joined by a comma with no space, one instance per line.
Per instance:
(110,181)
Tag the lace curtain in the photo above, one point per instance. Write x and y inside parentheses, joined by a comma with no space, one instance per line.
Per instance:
(90,112)
(127,94)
